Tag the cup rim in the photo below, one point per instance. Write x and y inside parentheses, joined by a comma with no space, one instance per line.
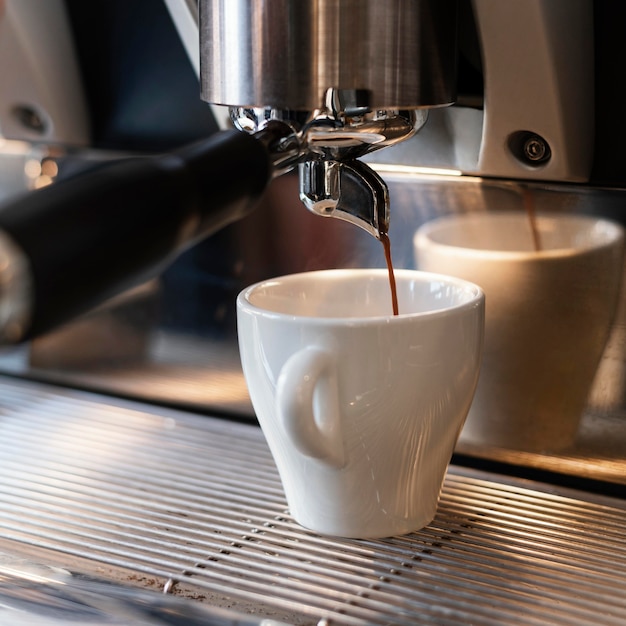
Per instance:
(477,297)
(614,234)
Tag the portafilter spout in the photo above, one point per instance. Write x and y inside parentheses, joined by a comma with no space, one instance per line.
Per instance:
(349,76)
(326,145)
(351,191)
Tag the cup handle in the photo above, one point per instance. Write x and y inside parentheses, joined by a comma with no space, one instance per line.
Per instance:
(307,401)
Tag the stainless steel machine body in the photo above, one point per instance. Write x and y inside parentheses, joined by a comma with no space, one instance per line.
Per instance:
(286,54)
(345,76)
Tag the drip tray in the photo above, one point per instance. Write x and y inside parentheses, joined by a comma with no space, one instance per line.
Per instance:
(190,505)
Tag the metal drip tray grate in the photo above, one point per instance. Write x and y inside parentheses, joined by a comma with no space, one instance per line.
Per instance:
(194,505)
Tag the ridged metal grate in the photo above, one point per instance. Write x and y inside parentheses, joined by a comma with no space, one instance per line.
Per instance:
(195,503)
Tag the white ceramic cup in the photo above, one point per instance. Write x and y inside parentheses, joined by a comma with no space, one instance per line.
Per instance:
(548,317)
(361,409)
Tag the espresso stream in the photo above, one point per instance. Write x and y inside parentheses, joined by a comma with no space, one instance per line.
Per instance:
(384,239)
(529,205)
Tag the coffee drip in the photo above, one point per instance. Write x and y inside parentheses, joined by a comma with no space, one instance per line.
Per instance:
(529,206)
(384,239)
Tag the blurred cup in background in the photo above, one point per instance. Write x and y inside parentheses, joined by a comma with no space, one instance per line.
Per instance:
(548,316)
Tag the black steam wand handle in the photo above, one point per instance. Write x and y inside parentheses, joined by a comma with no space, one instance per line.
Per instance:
(94,235)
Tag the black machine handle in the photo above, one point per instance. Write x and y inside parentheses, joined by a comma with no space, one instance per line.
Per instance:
(94,235)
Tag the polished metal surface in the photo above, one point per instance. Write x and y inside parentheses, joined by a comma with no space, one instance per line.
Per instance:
(285,54)
(169,500)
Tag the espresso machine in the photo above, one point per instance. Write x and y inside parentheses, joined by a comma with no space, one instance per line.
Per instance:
(160,155)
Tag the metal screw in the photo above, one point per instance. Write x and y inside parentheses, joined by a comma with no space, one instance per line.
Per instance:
(535,149)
